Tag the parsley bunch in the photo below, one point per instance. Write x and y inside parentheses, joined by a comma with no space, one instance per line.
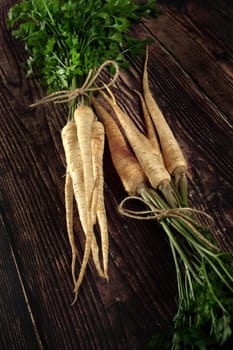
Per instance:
(65,39)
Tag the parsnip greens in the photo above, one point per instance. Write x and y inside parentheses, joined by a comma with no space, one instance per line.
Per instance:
(65,39)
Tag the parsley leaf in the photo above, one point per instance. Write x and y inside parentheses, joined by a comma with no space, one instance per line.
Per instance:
(65,39)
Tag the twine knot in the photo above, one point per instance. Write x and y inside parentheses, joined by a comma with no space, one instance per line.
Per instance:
(68,95)
(160,214)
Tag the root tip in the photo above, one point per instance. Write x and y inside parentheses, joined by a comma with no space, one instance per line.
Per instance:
(106,276)
(75,299)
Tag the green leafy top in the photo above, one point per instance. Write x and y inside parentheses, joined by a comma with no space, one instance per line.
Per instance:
(64,39)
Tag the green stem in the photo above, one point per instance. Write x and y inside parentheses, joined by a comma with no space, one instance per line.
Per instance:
(219,274)
(188,267)
(72,104)
(154,202)
(211,288)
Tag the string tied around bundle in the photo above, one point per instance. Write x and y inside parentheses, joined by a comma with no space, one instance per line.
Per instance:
(160,214)
(89,85)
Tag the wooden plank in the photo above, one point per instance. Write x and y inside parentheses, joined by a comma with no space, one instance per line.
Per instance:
(209,26)
(123,313)
(225,7)
(17,325)
(193,37)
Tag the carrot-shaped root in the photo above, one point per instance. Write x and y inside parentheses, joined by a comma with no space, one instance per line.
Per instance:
(150,130)
(98,206)
(84,206)
(148,156)
(74,167)
(167,190)
(124,160)
(75,171)
(69,221)
(84,118)
(174,159)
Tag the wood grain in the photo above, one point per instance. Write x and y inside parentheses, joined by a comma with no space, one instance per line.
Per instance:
(190,70)
(17,324)
(200,39)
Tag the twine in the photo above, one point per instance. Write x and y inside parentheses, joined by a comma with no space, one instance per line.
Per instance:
(68,95)
(160,214)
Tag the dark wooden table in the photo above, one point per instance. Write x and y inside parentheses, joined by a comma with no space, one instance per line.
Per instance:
(191,73)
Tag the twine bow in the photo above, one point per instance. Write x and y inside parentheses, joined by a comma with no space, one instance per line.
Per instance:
(68,95)
(160,214)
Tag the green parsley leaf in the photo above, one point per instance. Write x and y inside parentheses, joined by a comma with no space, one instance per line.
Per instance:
(66,39)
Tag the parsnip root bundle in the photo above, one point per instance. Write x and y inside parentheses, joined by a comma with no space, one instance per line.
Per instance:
(98,207)
(173,156)
(148,156)
(204,274)
(150,130)
(124,161)
(83,142)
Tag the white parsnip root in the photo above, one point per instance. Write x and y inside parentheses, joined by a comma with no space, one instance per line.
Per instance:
(174,159)
(83,142)
(127,166)
(148,157)
(97,144)
(173,156)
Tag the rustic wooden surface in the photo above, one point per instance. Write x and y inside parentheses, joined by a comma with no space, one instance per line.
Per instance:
(191,75)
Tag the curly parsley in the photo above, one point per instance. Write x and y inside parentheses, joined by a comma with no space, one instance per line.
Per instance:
(64,39)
